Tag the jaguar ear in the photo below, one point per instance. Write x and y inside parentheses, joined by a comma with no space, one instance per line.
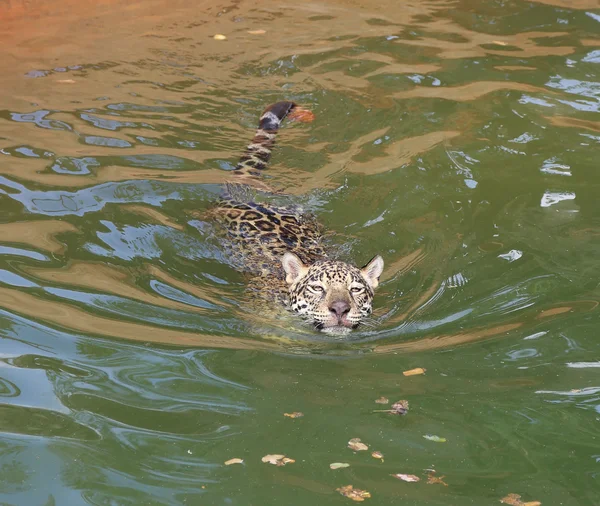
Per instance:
(294,268)
(372,271)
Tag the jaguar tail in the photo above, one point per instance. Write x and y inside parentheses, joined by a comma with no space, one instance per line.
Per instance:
(257,154)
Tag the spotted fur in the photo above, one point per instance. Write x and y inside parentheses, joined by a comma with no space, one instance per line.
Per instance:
(283,247)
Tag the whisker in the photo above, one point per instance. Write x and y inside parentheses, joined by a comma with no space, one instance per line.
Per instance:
(370,325)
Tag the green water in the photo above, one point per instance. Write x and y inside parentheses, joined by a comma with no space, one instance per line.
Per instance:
(457,139)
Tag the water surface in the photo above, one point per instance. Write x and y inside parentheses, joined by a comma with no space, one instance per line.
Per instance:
(458,139)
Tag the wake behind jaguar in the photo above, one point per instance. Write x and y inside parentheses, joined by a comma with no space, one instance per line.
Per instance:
(282,247)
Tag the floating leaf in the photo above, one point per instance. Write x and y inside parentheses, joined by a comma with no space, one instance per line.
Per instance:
(295,414)
(257,32)
(432,479)
(399,408)
(219,36)
(377,455)
(437,439)
(512,499)
(338,465)
(234,461)
(277,460)
(301,114)
(406,477)
(414,372)
(382,400)
(515,500)
(355,494)
(356,445)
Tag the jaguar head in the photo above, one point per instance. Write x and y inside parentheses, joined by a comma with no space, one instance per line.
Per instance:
(334,296)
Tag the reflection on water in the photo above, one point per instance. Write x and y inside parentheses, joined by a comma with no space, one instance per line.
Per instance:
(456,138)
(122,400)
(120,153)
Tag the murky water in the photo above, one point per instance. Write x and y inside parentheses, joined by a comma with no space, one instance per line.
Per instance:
(458,139)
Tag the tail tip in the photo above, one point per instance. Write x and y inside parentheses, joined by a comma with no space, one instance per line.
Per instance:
(274,114)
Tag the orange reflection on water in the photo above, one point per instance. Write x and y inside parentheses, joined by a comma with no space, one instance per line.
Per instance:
(477,44)
(75,319)
(571,4)
(466,92)
(114,280)
(165,51)
(443,341)
(39,234)
(565,121)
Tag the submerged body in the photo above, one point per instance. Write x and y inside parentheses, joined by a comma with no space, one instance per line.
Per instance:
(284,247)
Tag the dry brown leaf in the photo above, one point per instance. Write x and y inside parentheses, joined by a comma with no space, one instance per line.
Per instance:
(377,455)
(512,499)
(432,480)
(406,477)
(399,408)
(356,445)
(382,400)
(515,500)
(295,414)
(234,461)
(219,36)
(414,372)
(257,32)
(355,494)
(277,460)
(338,465)
(301,114)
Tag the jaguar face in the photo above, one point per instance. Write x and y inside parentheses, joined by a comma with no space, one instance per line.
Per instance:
(334,296)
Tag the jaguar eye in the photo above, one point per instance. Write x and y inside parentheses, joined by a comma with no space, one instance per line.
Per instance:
(316,288)
(357,289)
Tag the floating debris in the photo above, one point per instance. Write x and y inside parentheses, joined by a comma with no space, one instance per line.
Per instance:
(398,408)
(436,439)
(301,114)
(219,36)
(257,32)
(432,479)
(295,414)
(338,465)
(355,494)
(515,500)
(65,81)
(382,400)
(277,460)
(234,461)
(377,455)
(356,445)
(415,372)
(406,477)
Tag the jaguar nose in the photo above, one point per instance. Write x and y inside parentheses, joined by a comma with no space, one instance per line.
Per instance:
(340,308)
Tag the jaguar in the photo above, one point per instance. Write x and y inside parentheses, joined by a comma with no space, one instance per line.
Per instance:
(282,246)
